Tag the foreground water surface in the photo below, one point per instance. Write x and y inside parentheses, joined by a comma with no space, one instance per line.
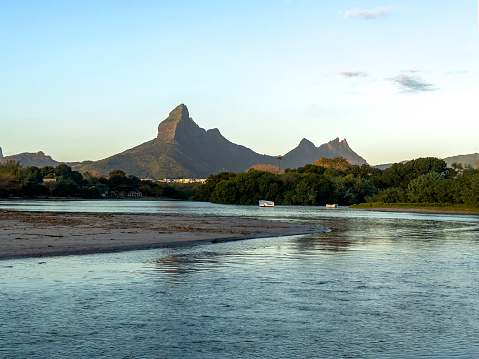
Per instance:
(379,285)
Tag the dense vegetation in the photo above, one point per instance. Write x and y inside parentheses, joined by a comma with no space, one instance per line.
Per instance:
(420,182)
(334,181)
(62,181)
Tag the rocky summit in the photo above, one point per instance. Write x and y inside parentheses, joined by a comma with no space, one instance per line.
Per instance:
(167,130)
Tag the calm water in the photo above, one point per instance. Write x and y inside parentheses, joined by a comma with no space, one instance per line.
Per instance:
(379,285)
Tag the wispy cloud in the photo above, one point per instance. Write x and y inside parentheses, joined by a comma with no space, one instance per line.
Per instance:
(411,84)
(376,13)
(352,73)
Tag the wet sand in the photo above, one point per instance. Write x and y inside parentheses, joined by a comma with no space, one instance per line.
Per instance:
(51,234)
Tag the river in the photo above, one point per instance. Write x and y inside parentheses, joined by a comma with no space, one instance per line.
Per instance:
(378,285)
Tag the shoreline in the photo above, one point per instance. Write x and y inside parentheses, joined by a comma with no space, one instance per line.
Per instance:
(45,234)
(416,210)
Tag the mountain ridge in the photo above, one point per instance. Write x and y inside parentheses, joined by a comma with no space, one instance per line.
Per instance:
(306,152)
(183,149)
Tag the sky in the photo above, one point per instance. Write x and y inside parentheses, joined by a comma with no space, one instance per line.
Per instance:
(84,80)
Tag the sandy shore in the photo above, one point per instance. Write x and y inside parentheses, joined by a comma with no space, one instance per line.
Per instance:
(49,234)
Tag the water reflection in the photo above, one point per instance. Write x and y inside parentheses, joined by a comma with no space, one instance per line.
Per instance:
(176,267)
(330,242)
(379,285)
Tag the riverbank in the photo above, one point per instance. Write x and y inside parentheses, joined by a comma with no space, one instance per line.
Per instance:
(52,234)
(418,208)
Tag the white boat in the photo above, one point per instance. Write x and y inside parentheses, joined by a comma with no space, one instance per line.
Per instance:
(332,205)
(264,203)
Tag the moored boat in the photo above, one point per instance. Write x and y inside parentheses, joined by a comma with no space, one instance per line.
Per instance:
(332,205)
(264,203)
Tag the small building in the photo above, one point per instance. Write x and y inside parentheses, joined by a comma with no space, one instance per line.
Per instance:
(133,194)
(183,180)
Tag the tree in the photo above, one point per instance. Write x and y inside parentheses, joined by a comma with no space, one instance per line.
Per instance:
(225,192)
(8,185)
(310,168)
(339,163)
(392,176)
(366,172)
(118,181)
(279,158)
(48,172)
(65,188)
(265,168)
(351,190)
(63,170)
(467,187)
(391,195)
(311,189)
(427,188)
(205,191)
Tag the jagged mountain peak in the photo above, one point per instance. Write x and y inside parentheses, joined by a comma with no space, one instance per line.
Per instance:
(167,128)
(306,152)
(179,113)
(336,145)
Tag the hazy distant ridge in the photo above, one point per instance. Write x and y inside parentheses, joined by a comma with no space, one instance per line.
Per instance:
(472,159)
(26,159)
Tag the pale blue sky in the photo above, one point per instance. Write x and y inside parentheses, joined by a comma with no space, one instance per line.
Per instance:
(86,79)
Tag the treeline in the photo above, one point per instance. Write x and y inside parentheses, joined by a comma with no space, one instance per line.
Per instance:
(414,182)
(62,181)
(336,181)
(424,180)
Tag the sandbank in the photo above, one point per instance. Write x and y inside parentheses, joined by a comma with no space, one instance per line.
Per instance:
(52,234)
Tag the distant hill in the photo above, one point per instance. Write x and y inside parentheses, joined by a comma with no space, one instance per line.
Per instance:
(383,166)
(26,159)
(39,159)
(472,160)
(183,149)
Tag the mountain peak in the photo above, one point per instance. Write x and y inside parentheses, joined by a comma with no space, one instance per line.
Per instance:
(179,113)
(305,142)
(167,128)
(335,145)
